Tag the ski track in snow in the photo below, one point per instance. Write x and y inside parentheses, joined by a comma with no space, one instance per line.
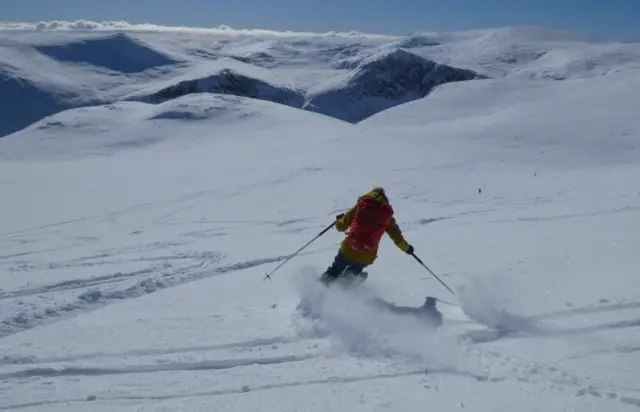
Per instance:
(522,370)
(92,298)
(554,378)
(166,273)
(169,271)
(175,350)
(245,389)
(473,337)
(569,216)
(195,366)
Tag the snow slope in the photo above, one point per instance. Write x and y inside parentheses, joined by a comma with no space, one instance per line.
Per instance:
(135,237)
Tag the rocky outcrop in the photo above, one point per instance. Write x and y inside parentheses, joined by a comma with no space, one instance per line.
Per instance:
(385,79)
(227,81)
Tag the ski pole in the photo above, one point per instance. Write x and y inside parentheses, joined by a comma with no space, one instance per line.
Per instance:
(268,275)
(448,303)
(434,275)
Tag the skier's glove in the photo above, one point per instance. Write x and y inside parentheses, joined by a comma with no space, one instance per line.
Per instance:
(340,216)
(410,250)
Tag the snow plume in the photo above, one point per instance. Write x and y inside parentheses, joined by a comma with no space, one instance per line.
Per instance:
(362,329)
(222,30)
(484,300)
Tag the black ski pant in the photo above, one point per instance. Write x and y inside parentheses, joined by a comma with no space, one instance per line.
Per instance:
(340,265)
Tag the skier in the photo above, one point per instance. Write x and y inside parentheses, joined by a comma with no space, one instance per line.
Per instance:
(367,221)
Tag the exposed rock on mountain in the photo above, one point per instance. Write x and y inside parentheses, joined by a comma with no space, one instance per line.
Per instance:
(227,81)
(383,80)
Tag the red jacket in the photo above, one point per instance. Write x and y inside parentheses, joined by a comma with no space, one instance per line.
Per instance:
(367,222)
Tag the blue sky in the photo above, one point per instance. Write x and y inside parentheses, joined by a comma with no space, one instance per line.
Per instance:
(611,19)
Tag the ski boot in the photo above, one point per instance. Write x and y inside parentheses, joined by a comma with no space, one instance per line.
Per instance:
(347,279)
(327,279)
(352,280)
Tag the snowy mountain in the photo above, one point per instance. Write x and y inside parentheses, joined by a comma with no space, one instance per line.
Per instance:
(44,75)
(33,86)
(383,80)
(174,167)
(117,52)
(227,81)
(105,130)
(348,76)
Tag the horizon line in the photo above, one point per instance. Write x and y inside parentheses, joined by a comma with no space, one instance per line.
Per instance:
(226,30)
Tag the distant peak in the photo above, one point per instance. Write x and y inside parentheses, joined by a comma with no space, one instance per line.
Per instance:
(390,54)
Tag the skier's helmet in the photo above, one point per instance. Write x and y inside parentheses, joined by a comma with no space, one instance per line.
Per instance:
(380,191)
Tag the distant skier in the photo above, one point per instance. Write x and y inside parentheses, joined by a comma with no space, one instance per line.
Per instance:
(367,221)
